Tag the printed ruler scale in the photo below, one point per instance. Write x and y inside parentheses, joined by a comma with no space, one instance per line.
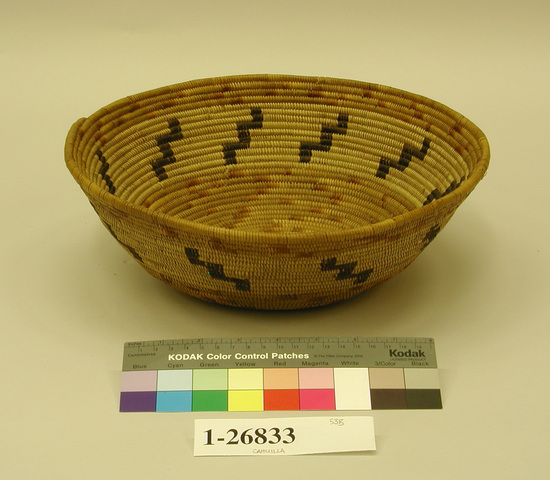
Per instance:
(280,374)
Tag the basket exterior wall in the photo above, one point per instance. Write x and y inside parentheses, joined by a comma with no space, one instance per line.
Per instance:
(281,275)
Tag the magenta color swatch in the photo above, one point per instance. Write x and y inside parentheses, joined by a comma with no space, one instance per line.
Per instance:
(316,378)
(319,399)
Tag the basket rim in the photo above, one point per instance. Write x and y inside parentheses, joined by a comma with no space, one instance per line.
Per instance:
(449,200)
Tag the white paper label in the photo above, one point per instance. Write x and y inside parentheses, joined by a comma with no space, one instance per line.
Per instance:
(283,436)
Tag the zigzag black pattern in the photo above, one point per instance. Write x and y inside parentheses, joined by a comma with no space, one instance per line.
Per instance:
(430,235)
(215,270)
(435,194)
(345,270)
(136,255)
(166,150)
(243,132)
(404,159)
(103,171)
(327,131)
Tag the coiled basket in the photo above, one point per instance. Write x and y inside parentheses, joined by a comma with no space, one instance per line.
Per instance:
(275,191)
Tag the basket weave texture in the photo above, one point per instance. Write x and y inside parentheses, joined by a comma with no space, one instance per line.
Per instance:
(275,191)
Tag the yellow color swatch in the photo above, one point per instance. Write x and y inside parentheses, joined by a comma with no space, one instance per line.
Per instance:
(245,379)
(245,401)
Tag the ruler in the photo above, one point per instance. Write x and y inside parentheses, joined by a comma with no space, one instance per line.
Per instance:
(280,352)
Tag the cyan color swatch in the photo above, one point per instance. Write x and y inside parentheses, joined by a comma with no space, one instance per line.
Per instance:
(174,380)
(174,401)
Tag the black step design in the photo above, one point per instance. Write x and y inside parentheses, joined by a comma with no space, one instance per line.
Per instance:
(436,193)
(325,143)
(243,132)
(405,158)
(215,270)
(430,235)
(103,171)
(345,270)
(130,249)
(163,143)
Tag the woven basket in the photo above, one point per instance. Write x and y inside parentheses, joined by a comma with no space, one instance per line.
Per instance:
(275,191)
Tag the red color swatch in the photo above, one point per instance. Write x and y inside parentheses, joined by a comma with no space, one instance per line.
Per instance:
(281,400)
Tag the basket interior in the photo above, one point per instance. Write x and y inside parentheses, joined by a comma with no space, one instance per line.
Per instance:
(274,154)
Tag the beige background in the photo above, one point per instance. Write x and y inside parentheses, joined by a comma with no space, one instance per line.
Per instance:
(70,296)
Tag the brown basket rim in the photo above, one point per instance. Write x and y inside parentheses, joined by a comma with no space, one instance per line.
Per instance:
(239,236)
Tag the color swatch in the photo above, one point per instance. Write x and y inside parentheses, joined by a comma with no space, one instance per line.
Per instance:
(279,389)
